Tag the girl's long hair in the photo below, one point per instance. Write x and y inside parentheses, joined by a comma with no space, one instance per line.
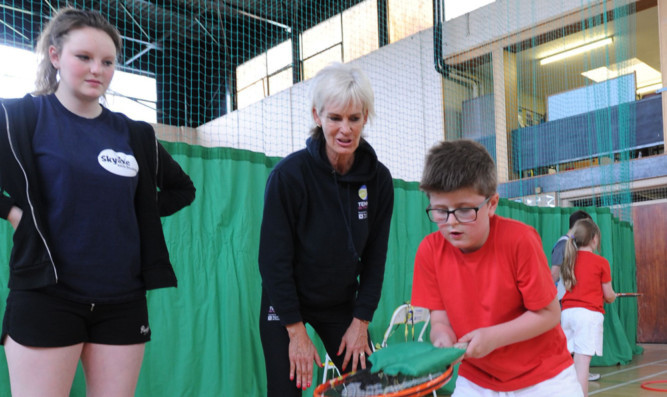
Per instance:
(583,232)
(55,34)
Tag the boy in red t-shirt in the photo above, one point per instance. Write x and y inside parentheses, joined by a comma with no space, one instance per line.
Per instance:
(587,280)
(486,280)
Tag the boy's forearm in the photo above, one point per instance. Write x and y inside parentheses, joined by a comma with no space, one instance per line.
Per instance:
(528,325)
(442,333)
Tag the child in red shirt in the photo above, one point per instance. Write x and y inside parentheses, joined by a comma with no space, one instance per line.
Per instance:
(587,280)
(486,280)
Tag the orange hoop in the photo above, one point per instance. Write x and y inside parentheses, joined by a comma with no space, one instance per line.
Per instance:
(652,382)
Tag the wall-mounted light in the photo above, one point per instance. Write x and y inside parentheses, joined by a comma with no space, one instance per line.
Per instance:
(648,88)
(576,50)
(645,75)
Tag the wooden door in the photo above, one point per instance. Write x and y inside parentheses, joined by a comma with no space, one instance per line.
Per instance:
(650,230)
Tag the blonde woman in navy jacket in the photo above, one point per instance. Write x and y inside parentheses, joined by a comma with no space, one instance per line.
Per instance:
(323,243)
(84,188)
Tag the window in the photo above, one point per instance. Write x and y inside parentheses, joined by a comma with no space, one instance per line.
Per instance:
(251,79)
(318,62)
(321,37)
(252,93)
(17,72)
(567,78)
(264,75)
(408,17)
(133,95)
(250,72)
(341,38)
(360,30)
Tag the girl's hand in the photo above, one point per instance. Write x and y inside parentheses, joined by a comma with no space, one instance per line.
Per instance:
(14,217)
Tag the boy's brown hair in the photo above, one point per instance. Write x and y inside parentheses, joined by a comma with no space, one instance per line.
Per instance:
(580,214)
(453,165)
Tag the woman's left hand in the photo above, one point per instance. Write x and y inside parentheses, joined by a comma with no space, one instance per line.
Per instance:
(355,344)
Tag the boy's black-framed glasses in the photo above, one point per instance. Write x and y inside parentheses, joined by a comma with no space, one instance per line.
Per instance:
(463,215)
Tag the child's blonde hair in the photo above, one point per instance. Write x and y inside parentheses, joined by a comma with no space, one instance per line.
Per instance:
(583,232)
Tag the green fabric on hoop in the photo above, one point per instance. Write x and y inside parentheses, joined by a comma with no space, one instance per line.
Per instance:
(413,358)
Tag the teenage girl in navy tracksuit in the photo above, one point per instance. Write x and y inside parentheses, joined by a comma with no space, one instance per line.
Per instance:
(84,188)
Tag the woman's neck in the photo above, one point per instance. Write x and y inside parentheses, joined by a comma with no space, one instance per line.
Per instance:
(342,164)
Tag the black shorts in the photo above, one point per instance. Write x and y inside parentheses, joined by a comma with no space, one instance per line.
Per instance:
(39,320)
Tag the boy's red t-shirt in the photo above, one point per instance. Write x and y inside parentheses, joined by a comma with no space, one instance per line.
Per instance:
(499,282)
(591,271)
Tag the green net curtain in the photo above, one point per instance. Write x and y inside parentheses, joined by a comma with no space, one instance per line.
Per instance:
(205,332)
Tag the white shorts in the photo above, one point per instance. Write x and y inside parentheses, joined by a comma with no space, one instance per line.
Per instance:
(564,384)
(583,329)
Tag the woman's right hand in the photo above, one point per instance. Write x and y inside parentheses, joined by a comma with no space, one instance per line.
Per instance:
(14,217)
(302,352)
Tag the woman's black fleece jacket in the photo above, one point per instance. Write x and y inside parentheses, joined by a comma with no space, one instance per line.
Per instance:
(324,236)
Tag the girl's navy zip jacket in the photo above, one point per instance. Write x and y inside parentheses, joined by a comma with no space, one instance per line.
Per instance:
(163,188)
(324,236)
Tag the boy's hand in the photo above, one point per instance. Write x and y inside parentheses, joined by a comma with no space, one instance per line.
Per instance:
(480,342)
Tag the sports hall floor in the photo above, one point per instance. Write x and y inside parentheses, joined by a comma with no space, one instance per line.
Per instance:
(626,380)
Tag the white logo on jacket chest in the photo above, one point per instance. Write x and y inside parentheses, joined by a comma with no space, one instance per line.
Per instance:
(118,163)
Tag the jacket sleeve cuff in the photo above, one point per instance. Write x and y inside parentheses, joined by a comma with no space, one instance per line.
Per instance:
(363,314)
(290,318)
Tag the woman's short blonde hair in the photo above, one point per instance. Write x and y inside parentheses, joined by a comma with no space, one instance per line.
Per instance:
(341,84)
